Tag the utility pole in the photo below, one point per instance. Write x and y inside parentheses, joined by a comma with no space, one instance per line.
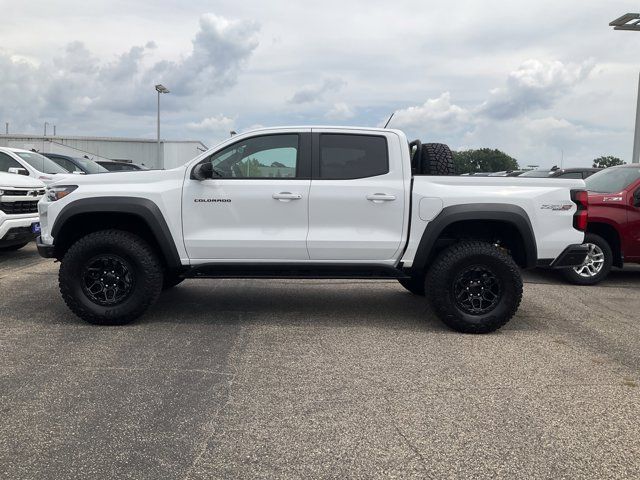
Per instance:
(46,124)
(54,130)
(160,89)
(6,128)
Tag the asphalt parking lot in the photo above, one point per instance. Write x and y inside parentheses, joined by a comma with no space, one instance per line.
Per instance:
(317,379)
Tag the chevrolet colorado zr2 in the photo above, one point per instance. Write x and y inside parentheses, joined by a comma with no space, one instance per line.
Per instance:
(311,202)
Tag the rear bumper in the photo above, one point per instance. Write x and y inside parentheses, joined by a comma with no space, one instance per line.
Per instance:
(45,250)
(572,256)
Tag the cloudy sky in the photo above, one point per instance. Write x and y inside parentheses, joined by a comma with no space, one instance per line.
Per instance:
(535,79)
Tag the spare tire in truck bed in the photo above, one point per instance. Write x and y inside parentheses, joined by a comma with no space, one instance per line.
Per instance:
(436,160)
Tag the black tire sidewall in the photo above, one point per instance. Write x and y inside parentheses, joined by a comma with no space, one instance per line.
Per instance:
(444,271)
(503,275)
(133,252)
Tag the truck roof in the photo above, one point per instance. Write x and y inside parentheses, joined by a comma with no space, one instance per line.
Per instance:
(332,127)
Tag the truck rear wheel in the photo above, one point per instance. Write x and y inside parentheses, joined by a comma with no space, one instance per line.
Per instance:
(474,287)
(110,277)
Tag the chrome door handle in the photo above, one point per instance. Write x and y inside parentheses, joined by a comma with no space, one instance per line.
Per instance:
(286,196)
(381,197)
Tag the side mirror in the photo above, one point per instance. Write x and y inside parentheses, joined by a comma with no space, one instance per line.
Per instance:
(202,171)
(78,172)
(636,198)
(18,171)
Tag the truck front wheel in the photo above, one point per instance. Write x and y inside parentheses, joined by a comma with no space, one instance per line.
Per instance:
(474,287)
(110,277)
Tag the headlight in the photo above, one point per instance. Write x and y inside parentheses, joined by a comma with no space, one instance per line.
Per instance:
(56,193)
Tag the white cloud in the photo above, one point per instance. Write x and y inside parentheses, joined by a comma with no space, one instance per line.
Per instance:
(434,114)
(77,86)
(312,93)
(534,85)
(339,111)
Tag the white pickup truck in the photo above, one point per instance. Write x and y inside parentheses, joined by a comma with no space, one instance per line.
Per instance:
(19,196)
(311,202)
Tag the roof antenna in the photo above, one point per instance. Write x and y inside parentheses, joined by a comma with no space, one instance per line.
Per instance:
(387,124)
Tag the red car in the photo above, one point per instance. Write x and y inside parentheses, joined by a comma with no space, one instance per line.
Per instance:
(613,230)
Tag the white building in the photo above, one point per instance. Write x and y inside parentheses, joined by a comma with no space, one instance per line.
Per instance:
(138,150)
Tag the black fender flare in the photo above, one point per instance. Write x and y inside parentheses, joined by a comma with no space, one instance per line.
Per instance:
(511,214)
(142,208)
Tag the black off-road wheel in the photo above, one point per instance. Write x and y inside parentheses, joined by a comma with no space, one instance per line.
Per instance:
(596,266)
(474,287)
(437,159)
(414,284)
(110,277)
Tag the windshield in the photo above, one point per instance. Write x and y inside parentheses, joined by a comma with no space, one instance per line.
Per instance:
(89,166)
(41,163)
(536,173)
(612,180)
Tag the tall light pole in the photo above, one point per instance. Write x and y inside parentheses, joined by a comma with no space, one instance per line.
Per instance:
(160,89)
(631,21)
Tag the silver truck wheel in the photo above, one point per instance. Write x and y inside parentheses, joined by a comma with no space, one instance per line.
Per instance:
(593,263)
(596,266)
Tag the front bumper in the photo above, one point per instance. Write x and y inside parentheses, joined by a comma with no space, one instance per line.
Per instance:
(17,230)
(44,249)
(572,256)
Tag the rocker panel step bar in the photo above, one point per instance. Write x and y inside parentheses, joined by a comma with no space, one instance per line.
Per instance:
(221,270)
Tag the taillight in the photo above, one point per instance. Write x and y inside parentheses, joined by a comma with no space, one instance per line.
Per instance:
(581,217)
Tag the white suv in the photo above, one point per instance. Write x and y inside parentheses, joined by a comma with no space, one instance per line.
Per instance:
(19,198)
(25,162)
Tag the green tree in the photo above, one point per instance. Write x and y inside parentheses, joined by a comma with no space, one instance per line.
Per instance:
(483,160)
(608,161)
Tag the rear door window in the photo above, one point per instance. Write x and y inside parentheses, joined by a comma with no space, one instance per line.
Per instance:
(344,157)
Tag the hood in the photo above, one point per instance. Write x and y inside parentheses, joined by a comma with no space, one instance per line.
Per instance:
(21,181)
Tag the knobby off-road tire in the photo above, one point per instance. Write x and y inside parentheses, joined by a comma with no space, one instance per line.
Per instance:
(414,284)
(437,159)
(13,248)
(110,257)
(597,265)
(466,270)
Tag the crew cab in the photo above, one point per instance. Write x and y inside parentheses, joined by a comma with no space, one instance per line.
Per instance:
(613,229)
(19,222)
(311,202)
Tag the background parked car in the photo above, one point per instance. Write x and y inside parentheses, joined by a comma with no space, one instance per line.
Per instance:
(118,166)
(24,162)
(561,173)
(19,221)
(613,231)
(76,164)
(507,173)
